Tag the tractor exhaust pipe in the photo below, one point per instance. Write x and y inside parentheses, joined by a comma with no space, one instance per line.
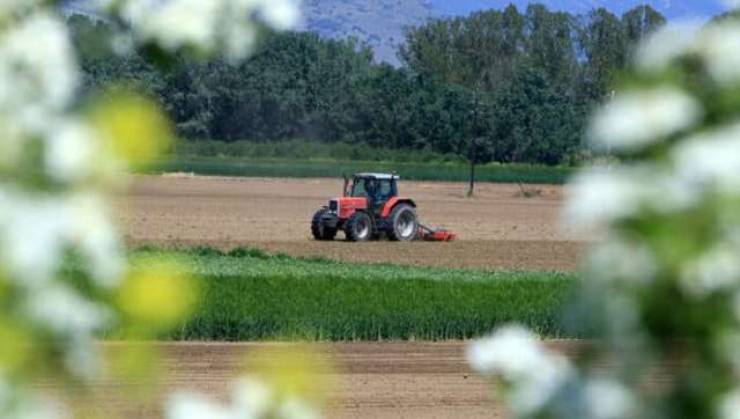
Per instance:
(346,185)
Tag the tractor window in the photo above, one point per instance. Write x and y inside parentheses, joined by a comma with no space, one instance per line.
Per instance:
(381,190)
(358,189)
(386,191)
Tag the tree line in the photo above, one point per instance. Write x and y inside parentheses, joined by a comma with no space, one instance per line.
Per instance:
(508,86)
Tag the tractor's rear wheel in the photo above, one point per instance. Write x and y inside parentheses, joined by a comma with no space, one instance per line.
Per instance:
(320,230)
(404,223)
(359,227)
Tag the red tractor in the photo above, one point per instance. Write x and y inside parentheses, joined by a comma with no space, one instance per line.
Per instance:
(372,208)
(369,209)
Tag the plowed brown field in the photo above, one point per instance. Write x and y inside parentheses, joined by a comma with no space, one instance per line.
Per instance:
(498,228)
(371,380)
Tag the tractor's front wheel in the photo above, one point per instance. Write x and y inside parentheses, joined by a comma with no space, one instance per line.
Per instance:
(320,230)
(404,223)
(359,227)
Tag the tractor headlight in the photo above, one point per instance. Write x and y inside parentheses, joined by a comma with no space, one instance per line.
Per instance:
(334,206)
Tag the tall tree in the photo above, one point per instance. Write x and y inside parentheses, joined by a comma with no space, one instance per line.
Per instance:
(605,45)
(640,22)
(495,85)
(551,43)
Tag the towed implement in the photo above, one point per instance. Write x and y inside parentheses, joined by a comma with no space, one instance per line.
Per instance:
(371,208)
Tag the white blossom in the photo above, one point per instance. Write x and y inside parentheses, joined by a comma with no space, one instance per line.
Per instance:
(70,151)
(717,46)
(179,23)
(251,398)
(133,11)
(34,231)
(39,78)
(710,160)
(32,235)
(187,405)
(534,373)
(123,44)
(207,25)
(493,354)
(93,233)
(20,405)
(729,406)
(239,41)
(638,118)
(598,196)
(281,14)
(64,311)
(38,72)
(607,399)
(294,408)
(82,357)
(716,270)
(664,46)
(14,8)
(617,258)
(667,193)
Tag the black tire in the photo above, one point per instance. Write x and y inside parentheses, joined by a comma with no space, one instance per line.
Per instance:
(404,225)
(319,230)
(359,227)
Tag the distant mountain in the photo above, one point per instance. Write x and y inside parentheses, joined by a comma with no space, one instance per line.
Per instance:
(72,7)
(380,23)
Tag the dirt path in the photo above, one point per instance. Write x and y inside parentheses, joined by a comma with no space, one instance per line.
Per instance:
(376,380)
(498,228)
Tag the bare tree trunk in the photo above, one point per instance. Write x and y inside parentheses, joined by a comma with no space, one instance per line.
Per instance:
(474,142)
(473,159)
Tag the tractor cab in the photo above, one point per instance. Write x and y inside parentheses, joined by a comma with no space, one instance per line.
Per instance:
(377,188)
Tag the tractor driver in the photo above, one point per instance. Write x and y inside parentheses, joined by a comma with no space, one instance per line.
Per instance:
(373,192)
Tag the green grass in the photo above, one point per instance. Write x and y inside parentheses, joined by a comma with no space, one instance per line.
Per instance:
(247,295)
(458,172)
